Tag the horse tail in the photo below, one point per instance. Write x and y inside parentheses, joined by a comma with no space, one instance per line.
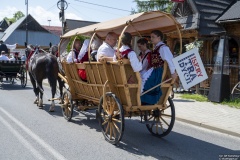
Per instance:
(52,72)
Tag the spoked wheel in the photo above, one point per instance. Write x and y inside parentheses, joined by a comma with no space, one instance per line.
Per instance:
(111,118)
(160,122)
(12,80)
(23,78)
(235,94)
(67,106)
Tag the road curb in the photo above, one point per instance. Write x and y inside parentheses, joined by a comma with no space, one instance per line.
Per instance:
(208,127)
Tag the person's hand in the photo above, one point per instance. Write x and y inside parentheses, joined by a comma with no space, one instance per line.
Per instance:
(118,55)
(174,75)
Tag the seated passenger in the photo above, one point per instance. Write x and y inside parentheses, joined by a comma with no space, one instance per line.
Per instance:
(94,46)
(83,57)
(23,57)
(153,76)
(106,49)
(3,56)
(11,58)
(144,54)
(73,54)
(126,52)
(16,56)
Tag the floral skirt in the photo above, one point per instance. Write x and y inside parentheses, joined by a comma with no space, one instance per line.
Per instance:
(154,95)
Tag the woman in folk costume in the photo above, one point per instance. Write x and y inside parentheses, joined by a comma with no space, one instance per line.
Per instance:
(144,54)
(153,76)
(73,55)
(83,57)
(126,52)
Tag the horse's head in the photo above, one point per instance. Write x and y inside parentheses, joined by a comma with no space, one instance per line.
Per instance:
(54,50)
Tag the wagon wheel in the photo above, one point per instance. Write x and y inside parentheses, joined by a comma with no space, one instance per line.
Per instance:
(12,80)
(160,122)
(67,106)
(23,77)
(111,119)
(235,93)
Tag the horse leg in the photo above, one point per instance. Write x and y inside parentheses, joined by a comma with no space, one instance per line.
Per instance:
(35,89)
(53,84)
(61,84)
(40,88)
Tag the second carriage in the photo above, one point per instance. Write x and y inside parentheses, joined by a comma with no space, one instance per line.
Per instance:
(13,70)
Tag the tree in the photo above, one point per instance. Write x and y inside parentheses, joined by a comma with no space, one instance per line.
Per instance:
(153,5)
(16,16)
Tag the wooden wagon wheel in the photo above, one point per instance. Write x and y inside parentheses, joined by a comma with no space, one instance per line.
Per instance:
(23,77)
(12,80)
(160,122)
(235,93)
(111,118)
(67,106)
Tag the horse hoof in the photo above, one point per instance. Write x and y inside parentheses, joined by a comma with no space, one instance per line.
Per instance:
(40,107)
(35,102)
(51,110)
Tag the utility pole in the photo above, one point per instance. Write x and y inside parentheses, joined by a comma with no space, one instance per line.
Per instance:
(49,22)
(62,5)
(26,3)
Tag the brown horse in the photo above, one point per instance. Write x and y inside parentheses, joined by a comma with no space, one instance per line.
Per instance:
(42,65)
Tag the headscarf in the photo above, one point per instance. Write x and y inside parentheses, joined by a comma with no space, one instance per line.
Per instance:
(84,49)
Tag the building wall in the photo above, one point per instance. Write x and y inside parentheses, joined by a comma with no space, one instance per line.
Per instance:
(34,37)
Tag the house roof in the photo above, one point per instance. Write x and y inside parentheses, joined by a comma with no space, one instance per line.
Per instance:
(202,15)
(16,33)
(57,30)
(73,24)
(3,25)
(232,14)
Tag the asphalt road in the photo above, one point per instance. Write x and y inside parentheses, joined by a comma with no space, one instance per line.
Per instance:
(28,133)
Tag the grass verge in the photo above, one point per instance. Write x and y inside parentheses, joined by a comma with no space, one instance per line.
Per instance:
(201,98)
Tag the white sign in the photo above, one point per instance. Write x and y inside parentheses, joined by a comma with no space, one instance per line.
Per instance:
(20,51)
(190,68)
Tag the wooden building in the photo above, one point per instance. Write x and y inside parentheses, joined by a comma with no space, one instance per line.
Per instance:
(205,20)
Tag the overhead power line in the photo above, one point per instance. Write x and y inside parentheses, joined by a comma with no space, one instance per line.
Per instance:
(104,6)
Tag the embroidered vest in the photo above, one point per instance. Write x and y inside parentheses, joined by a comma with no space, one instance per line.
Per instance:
(143,57)
(124,54)
(155,58)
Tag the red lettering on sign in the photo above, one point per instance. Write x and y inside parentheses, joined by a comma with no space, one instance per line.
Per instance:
(196,66)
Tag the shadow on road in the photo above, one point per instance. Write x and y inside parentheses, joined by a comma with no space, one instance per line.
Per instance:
(138,141)
(6,85)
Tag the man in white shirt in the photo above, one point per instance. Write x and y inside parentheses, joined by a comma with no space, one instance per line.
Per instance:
(106,49)
(3,57)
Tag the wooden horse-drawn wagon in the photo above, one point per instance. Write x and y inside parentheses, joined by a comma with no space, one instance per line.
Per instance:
(108,85)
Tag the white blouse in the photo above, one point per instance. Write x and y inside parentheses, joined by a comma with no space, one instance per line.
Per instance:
(132,56)
(166,55)
(71,57)
(144,61)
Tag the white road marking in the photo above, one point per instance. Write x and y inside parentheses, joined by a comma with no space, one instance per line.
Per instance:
(26,144)
(51,150)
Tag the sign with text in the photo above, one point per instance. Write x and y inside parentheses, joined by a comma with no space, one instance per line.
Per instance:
(190,68)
